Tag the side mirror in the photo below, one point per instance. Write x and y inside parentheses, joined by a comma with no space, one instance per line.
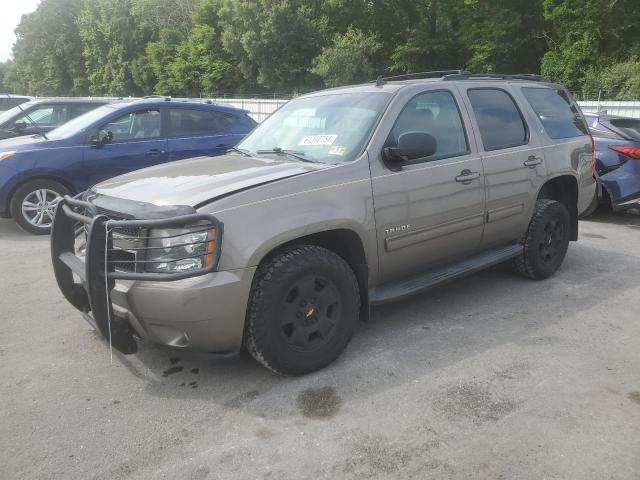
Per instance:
(20,125)
(411,145)
(101,138)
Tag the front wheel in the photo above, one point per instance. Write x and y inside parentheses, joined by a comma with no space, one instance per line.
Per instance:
(303,308)
(546,241)
(33,205)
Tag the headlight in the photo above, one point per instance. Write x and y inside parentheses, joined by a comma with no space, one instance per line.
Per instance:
(177,250)
(4,155)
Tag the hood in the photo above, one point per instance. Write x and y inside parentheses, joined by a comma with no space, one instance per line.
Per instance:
(23,143)
(202,179)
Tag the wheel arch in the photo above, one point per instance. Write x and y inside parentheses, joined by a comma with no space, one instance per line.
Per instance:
(344,242)
(564,189)
(46,176)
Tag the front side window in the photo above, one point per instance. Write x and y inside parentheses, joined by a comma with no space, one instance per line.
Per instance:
(500,123)
(185,122)
(437,114)
(49,115)
(559,115)
(138,125)
(322,128)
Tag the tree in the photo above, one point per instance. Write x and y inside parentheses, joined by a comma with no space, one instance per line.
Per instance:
(351,58)
(582,34)
(48,53)
(274,41)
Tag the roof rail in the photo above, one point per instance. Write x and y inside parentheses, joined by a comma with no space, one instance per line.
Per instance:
(166,98)
(532,77)
(417,75)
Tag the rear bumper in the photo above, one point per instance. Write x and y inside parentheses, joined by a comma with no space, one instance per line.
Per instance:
(623,185)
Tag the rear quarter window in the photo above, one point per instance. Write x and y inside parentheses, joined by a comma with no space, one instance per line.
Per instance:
(558,113)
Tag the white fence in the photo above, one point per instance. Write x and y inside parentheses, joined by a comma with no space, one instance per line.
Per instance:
(260,108)
(624,109)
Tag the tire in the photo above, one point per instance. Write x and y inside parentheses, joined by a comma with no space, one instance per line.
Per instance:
(593,206)
(303,308)
(33,205)
(546,241)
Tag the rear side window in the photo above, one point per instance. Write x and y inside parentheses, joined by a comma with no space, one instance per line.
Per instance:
(499,120)
(185,122)
(559,115)
(630,127)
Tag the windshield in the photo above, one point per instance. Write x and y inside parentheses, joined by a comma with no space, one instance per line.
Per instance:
(76,125)
(325,128)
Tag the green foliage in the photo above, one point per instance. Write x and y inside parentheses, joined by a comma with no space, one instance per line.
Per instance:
(618,81)
(587,34)
(208,47)
(48,60)
(351,58)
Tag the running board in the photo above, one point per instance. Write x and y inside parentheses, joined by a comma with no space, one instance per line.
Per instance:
(438,276)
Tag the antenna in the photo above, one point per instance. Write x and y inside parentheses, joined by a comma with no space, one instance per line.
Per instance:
(41,132)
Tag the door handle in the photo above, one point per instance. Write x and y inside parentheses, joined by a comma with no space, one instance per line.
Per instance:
(222,145)
(466,176)
(532,161)
(155,151)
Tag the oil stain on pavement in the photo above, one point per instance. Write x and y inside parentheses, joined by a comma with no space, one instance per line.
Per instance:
(319,403)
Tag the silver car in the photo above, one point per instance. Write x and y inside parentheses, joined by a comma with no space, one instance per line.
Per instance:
(341,199)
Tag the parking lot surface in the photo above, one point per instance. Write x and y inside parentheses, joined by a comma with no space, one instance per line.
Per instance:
(490,377)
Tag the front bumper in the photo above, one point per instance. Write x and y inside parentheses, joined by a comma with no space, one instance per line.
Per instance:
(205,313)
(203,309)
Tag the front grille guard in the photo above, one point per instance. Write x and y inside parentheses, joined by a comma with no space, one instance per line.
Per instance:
(92,295)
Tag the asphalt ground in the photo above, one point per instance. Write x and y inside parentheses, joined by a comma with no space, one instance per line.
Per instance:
(490,377)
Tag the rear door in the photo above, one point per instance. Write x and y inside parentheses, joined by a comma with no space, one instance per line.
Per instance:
(195,132)
(137,141)
(432,210)
(512,160)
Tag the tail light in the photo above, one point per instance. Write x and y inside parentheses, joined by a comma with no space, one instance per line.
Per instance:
(628,150)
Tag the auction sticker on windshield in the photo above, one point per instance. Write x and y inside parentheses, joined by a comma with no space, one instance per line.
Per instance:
(318,140)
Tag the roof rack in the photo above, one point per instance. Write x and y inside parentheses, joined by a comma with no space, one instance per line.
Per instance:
(532,77)
(162,97)
(418,75)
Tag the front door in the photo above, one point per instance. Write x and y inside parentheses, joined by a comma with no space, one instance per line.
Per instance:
(432,210)
(136,141)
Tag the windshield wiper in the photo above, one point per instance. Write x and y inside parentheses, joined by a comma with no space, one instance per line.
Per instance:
(246,153)
(291,153)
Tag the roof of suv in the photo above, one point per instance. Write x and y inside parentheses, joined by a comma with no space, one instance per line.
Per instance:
(395,83)
(160,101)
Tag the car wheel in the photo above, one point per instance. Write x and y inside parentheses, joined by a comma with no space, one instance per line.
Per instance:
(33,205)
(546,241)
(303,308)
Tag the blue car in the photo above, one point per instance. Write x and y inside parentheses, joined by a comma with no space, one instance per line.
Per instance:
(36,171)
(617,148)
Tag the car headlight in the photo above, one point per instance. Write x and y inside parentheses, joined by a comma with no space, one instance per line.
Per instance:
(177,250)
(5,155)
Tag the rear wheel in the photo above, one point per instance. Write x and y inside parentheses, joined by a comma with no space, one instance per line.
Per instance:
(303,308)
(546,241)
(33,205)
